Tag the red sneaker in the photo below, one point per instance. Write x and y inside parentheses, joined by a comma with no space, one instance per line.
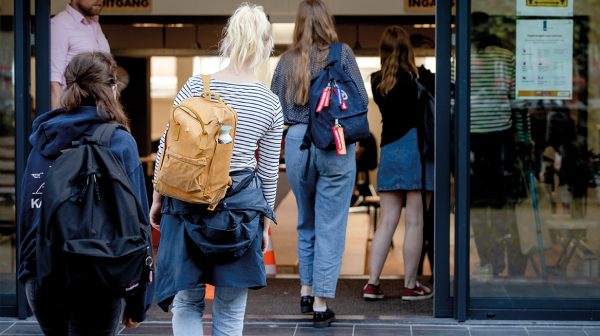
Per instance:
(420,292)
(372,292)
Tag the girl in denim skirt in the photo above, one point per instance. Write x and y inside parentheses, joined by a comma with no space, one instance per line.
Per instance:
(399,180)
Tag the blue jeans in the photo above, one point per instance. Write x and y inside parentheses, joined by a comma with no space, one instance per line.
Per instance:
(86,315)
(323,198)
(228,309)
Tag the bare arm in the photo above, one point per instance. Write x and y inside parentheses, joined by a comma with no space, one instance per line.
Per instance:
(265,241)
(55,93)
(352,69)
(155,213)
(59,48)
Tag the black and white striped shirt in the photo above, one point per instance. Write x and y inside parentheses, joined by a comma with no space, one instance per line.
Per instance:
(259,126)
(493,93)
(492,89)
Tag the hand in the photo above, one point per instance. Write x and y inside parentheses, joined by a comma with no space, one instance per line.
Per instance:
(265,239)
(155,210)
(130,323)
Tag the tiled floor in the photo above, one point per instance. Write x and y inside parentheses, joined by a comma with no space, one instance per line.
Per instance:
(429,327)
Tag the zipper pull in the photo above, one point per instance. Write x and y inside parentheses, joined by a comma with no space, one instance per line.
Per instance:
(84,190)
(327,95)
(96,188)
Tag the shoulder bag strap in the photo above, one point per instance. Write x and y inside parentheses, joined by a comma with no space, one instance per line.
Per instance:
(103,133)
(207,93)
(206,82)
(335,52)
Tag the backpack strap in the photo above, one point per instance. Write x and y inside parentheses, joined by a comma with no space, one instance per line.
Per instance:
(104,132)
(207,93)
(335,55)
(335,52)
(206,82)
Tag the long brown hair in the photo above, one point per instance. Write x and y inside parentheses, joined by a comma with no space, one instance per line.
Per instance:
(397,57)
(91,77)
(314,27)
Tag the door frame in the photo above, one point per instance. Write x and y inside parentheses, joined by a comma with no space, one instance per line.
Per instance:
(443,303)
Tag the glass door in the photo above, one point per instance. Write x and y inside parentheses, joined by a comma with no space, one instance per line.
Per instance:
(7,161)
(530,238)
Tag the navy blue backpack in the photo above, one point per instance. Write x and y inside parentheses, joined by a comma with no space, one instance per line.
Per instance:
(335,99)
(94,235)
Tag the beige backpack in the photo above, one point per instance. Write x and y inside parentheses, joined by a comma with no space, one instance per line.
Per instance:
(195,163)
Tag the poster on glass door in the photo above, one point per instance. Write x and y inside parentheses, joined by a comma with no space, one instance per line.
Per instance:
(544,59)
(545,7)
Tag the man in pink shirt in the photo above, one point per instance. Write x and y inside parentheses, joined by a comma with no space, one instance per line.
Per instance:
(73,31)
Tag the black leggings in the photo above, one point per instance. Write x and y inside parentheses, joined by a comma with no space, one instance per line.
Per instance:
(77,316)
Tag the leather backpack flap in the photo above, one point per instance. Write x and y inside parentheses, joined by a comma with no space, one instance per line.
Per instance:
(182,170)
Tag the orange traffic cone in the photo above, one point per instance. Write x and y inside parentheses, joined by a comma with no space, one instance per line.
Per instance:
(269,257)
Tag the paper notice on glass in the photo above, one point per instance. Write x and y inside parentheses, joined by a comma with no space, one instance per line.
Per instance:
(544,59)
(545,7)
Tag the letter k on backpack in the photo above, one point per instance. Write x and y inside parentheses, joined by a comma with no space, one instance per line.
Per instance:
(94,236)
(194,167)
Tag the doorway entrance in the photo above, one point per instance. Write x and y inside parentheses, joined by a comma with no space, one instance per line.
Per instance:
(170,63)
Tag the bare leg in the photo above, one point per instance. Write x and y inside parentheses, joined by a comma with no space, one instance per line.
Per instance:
(306,290)
(391,209)
(413,236)
(320,302)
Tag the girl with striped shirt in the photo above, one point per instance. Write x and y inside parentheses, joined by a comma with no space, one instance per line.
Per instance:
(183,273)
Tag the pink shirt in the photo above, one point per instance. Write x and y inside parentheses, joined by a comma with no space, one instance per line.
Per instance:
(70,34)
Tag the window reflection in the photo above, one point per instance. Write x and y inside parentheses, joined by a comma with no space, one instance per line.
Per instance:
(535,168)
(7,162)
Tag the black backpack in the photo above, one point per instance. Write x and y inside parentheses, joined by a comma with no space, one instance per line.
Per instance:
(94,237)
(335,98)
(426,127)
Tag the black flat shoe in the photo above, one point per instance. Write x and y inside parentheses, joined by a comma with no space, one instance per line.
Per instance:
(306,303)
(323,319)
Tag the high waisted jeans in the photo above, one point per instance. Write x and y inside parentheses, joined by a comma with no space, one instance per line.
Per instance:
(228,311)
(323,198)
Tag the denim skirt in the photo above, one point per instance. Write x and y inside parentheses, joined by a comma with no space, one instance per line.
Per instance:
(400,165)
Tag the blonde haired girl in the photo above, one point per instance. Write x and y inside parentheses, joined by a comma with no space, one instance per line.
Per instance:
(182,270)
(248,41)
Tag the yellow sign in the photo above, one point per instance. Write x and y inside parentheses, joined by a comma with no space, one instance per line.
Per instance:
(127,6)
(540,94)
(420,6)
(548,3)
